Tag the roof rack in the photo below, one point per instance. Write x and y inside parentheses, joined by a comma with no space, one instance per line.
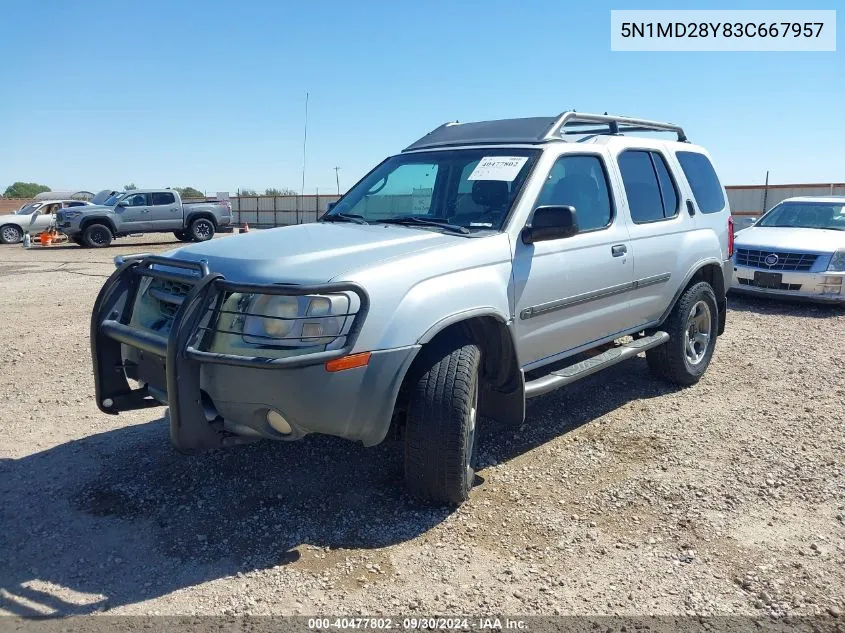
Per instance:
(538,130)
(615,125)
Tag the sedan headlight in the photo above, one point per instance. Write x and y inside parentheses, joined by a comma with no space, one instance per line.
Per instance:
(837,262)
(287,321)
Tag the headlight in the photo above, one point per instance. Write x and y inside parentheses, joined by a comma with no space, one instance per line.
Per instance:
(837,262)
(280,320)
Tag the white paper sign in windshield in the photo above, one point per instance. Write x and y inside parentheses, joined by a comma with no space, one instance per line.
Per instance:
(498,168)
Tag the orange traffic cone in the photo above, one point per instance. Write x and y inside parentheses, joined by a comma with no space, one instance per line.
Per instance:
(246,228)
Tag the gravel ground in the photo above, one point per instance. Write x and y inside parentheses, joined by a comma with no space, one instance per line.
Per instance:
(618,495)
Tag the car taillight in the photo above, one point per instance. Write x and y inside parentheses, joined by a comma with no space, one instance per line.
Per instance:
(730,236)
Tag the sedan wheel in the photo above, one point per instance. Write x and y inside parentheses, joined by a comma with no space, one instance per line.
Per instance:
(11,234)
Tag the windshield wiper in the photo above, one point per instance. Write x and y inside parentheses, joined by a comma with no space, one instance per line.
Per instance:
(343,217)
(411,220)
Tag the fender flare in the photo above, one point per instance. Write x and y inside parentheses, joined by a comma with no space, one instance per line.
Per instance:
(208,215)
(457,317)
(693,271)
(98,219)
(505,403)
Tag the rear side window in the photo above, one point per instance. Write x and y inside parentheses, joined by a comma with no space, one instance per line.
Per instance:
(703,180)
(651,193)
(163,197)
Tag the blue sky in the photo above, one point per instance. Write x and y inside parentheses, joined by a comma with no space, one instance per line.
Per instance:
(211,94)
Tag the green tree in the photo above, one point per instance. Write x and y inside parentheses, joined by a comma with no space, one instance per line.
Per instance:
(25,190)
(130,187)
(284,191)
(248,192)
(189,192)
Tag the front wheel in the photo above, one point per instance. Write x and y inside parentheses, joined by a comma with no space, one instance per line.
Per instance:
(201,229)
(692,328)
(440,433)
(96,236)
(11,234)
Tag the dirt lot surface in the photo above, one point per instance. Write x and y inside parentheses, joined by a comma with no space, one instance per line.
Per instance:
(617,495)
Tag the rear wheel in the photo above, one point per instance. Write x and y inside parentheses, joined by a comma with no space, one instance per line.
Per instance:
(440,433)
(201,229)
(692,328)
(11,234)
(97,236)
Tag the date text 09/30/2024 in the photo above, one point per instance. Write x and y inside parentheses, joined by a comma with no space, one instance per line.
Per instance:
(429,624)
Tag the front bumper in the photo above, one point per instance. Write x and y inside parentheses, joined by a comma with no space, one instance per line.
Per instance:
(67,227)
(822,287)
(216,398)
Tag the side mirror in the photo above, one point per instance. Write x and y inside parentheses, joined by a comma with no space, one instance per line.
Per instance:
(551,223)
(122,203)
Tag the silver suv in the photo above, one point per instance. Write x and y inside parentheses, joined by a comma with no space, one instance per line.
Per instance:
(487,263)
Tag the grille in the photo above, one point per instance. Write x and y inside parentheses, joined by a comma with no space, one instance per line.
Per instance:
(785,261)
(751,282)
(169,295)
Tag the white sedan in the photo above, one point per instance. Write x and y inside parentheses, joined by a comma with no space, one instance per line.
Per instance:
(797,249)
(32,218)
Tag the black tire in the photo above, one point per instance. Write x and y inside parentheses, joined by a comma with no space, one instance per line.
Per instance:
(11,234)
(97,236)
(201,229)
(440,432)
(182,236)
(76,239)
(686,356)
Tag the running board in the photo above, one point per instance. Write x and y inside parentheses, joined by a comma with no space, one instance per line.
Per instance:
(568,375)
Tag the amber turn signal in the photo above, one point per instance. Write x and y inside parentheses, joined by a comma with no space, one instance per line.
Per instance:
(348,362)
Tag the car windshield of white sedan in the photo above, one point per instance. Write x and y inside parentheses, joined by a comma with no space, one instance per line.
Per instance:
(28,208)
(806,215)
(462,191)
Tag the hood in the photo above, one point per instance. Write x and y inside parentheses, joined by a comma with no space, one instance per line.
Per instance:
(790,239)
(102,196)
(11,218)
(86,208)
(310,253)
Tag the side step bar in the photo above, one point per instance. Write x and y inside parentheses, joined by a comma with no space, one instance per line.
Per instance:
(568,375)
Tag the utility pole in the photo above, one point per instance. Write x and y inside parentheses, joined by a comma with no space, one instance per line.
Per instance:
(304,145)
(765,194)
(304,155)
(337,179)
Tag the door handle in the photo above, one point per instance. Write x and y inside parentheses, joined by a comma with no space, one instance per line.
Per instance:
(618,250)
(690,208)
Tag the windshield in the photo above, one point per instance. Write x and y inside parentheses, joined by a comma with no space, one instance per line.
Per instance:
(28,208)
(806,215)
(112,199)
(470,188)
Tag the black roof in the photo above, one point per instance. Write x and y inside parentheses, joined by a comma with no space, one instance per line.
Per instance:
(530,130)
(533,130)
